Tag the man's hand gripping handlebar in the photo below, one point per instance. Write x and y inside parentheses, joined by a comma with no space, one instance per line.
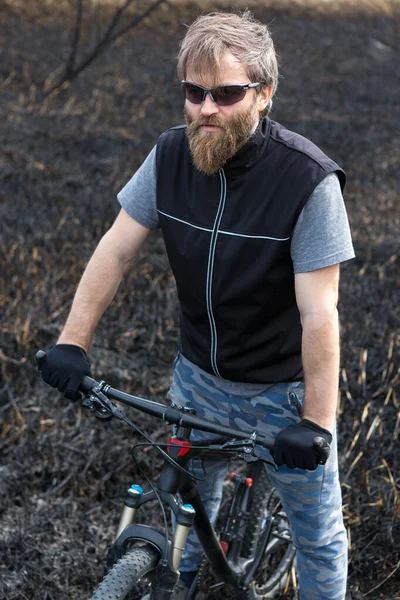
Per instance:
(98,396)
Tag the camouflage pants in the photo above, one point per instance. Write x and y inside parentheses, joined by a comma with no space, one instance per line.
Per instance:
(311,499)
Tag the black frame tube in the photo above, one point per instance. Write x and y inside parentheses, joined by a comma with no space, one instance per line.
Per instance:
(227,571)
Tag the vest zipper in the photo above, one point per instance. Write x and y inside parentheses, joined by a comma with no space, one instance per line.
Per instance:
(210,268)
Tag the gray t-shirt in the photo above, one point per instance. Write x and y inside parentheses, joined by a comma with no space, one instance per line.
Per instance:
(321,237)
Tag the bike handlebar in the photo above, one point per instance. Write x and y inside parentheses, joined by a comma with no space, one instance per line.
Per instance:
(178,416)
(173,414)
(169,414)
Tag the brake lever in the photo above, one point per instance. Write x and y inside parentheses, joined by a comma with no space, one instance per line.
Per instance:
(248,450)
(254,458)
(102,407)
(89,403)
(248,445)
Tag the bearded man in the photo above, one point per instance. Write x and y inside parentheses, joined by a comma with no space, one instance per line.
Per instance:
(255,229)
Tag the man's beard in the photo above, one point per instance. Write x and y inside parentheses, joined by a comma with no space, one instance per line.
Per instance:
(211,151)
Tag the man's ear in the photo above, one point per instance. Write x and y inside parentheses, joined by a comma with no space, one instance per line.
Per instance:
(264,97)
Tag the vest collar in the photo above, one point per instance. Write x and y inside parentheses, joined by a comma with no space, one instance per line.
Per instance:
(248,155)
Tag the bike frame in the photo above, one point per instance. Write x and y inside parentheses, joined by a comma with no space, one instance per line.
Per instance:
(224,557)
(226,563)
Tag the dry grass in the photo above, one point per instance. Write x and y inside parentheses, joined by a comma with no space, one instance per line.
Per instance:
(317,7)
(62,160)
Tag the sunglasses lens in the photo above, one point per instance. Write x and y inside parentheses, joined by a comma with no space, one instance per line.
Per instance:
(193,93)
(228,94)
(224,95)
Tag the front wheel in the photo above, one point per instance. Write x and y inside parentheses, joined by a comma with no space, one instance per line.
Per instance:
(131,577)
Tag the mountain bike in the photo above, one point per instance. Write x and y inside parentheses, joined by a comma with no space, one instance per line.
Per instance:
(248,555)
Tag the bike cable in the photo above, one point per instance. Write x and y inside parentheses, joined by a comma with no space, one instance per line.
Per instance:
(172,461)
(157,446)
(106,405)
(157,495)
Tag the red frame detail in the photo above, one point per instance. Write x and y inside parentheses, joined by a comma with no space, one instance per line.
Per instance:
(182,451)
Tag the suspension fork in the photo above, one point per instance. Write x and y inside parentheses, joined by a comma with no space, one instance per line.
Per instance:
(167,573)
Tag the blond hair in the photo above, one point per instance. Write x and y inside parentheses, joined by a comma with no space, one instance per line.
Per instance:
(249,40)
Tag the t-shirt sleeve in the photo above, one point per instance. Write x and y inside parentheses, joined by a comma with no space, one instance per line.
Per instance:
(139,197)
(322,237)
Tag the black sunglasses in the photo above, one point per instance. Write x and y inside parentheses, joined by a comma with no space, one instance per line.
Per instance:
(223,95)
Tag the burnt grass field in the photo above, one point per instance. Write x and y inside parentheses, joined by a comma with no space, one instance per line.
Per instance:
(64,156)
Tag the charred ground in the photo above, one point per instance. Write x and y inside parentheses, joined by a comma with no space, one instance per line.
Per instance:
(63,158)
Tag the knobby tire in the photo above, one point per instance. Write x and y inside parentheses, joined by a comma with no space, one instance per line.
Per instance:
(130,578)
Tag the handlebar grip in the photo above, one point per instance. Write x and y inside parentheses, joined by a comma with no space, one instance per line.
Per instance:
(323,449)
(39,357)
(265,443)
(87,383)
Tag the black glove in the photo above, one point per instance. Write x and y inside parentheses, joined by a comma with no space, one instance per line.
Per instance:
(294,445)
(64,367)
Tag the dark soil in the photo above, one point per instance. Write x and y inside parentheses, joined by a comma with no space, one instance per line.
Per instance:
(63,158)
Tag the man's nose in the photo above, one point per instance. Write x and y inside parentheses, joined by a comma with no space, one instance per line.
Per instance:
(208,107)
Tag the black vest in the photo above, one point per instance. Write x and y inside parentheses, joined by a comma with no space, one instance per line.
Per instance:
(228,241)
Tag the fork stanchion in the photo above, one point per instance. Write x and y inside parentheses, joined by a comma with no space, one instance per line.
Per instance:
(130,508)
(184,521)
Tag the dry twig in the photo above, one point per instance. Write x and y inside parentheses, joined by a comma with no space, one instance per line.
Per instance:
(384,581)
(71,70)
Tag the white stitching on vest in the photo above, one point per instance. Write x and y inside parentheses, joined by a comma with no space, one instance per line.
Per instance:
(257,237)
